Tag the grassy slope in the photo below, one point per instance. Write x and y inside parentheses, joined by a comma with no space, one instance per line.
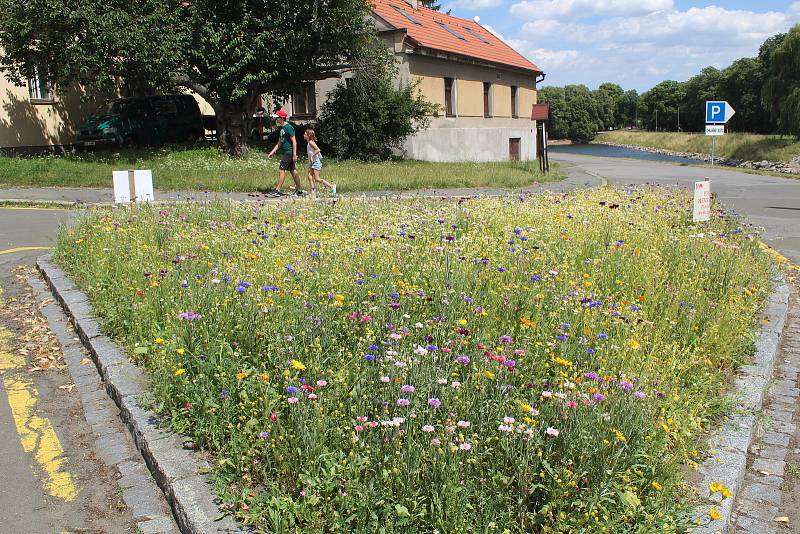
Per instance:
(736,145)
(208,169)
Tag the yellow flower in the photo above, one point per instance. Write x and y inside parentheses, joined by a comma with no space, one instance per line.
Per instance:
(714,513)
(158,341)
(656,485)
(180,351)
(719,487)
(241,375)
(488,374)
(264,377)
(462,322)
(180,371)
(526,408)
(338,300)
(298,365)
(527,323)
(635,345)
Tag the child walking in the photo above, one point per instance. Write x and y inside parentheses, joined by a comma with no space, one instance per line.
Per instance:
(315,163)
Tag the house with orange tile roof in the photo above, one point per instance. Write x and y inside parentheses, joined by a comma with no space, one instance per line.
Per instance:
(485,89)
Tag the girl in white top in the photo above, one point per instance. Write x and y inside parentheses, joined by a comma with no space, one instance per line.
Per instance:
(315,163)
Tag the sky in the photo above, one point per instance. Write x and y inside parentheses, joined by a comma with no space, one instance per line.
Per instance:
(635,43)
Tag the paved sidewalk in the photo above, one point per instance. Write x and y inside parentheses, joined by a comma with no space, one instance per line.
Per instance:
(768,501)
(576,178)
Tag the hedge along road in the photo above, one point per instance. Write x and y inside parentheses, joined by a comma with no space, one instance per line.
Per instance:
(767,201)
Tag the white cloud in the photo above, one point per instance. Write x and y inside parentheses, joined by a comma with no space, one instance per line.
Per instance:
(687,28)
(794,11)
(544,58)
(475,4)
(577,9)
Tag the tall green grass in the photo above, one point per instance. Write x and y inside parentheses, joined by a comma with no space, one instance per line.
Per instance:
(207,168)
(735,145)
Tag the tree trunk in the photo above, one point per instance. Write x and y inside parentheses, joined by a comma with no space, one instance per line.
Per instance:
(234,123)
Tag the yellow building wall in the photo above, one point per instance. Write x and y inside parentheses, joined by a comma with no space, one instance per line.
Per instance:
(430,87)
(527,98)
(24,124)
(469,98)
(501,100)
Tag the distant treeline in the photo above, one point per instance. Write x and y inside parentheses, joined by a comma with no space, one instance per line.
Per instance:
(764,91)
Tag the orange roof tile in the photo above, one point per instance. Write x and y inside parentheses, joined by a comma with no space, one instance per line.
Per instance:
(429,33)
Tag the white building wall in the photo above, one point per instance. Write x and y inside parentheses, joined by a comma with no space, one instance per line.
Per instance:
(470,144)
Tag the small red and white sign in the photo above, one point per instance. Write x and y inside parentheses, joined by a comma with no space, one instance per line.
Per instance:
(701,208)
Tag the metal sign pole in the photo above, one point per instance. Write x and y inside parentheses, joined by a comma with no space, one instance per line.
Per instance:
(713,146)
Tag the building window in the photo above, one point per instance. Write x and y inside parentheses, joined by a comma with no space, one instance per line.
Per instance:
(448,98)
(514,102)
(39,89)
(304,101)
(487,99)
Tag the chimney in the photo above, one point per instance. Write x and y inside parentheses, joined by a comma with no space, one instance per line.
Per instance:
(413,3)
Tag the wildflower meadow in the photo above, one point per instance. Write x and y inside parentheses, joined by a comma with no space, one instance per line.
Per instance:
(542,363)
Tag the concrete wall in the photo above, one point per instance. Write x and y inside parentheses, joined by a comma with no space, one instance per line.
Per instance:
(40,125)
(469,98)
(470,144)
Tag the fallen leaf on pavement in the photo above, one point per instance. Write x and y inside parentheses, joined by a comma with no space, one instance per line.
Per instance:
(85,361)
(68,387)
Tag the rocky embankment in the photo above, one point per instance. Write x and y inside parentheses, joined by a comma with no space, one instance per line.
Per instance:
(788,167)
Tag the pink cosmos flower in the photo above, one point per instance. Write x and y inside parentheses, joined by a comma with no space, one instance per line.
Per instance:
(312,396)
(361,419)
(463,424)
(442,381)
(358,428)
(385,379)
(572,404)
(428,428)
(455,385)
(552,432)
(508,420)
(465,446)
(292,400)
(403,402)
(435,442)
(435,403)
(322,383)
(505,428)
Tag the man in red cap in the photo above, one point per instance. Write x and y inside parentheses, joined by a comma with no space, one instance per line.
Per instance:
(288,146)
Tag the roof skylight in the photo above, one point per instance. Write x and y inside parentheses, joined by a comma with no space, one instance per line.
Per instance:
(477,36)
(451,30)
(406,15)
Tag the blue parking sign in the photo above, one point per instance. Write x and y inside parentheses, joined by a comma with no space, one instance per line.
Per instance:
(718,112)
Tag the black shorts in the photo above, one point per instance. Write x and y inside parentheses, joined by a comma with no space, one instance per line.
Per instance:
(287,163)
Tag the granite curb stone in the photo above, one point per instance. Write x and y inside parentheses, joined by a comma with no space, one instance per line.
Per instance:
(728,462)
(174,468)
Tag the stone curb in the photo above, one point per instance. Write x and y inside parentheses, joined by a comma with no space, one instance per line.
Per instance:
(177,471)
(729,446)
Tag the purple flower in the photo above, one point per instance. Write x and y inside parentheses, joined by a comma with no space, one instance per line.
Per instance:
(602,335)
(369,357)
(264,434)
(463,360)
(407,388)
(624,384)
(505,340)
(592,376)
(565,326)
(435,403)
(403,402)
(292,389)
(510,363)
(190,316)
(641,395)
(599,397)
(224,393)
(536,278)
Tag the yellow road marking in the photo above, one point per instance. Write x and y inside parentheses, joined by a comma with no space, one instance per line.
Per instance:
(22,249)
(36,432)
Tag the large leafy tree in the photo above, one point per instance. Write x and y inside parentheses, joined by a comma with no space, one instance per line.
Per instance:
(608,97)
(228,51)
(781,91)
(658,107)
(694,93)
(574,112)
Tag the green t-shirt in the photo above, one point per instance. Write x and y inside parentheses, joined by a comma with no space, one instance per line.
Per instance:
(287,132)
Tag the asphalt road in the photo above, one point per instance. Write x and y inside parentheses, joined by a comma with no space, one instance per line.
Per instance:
(770,202)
